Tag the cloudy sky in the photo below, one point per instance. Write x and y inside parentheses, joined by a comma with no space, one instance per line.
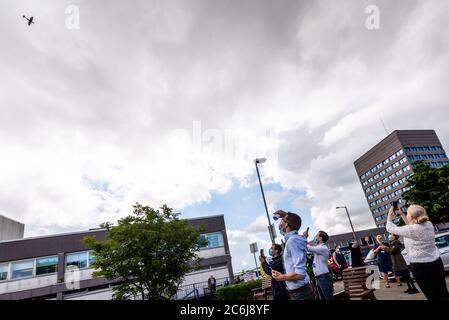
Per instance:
(169,102)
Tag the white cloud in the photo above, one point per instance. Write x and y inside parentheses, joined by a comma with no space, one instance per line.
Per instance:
(88,118)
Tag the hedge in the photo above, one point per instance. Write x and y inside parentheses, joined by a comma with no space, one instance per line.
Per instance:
(239,291)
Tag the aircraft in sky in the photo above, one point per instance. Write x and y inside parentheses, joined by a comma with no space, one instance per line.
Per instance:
(30,20)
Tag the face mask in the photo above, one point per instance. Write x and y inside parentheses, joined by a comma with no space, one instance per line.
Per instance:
(390,237)
(270,252)
(315,240)
(281,229)
(337,250)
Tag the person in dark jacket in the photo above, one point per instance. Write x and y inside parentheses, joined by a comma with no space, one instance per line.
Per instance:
(278,287)
(400,268)
(356,255)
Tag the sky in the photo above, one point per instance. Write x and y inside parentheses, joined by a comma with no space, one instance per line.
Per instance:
(108,103)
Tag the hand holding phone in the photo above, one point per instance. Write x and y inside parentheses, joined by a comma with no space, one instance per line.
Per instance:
(395,205)
(306,233)
(279,214)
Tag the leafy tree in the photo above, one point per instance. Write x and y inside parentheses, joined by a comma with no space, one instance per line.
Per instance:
(149,251)
(429,187)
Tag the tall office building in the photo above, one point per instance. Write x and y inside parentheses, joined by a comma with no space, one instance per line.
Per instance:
(383,170)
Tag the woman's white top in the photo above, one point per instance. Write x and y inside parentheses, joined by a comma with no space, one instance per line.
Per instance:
(419,240)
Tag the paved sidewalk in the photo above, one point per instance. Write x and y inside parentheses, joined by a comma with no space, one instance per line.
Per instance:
(392,293)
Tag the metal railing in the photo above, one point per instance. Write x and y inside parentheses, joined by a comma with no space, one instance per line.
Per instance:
(195,292)
(201,289)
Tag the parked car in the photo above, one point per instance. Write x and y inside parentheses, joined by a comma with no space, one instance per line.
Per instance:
(370,258)
(442,243)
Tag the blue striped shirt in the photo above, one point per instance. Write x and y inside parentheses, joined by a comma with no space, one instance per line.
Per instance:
(295,254)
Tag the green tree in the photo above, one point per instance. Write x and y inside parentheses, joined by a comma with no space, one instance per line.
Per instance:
(429,187)
(149,251)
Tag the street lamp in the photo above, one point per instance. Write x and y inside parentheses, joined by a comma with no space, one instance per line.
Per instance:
(350,222)
(257,161)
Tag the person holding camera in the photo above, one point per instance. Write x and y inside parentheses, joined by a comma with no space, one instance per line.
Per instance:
(278,287)
(320,265)
(295,252)
(356,254)
(419,241)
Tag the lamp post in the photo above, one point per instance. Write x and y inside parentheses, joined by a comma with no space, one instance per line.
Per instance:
(256,162)
(350,222)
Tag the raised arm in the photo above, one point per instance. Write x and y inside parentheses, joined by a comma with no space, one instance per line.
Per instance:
(320,250)
(404,231)
(266,267)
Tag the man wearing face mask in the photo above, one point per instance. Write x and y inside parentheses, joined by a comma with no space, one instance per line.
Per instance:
(279,288)
(295,251)
(320,266)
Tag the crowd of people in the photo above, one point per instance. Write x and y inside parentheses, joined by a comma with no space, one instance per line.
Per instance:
(292,280)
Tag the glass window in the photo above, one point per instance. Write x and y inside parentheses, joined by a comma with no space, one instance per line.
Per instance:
(213,240)
(91,258)
(22,269)
(442,242)
(46,265)
(77,259)
(3,272)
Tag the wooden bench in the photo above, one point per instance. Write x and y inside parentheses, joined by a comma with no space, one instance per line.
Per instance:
(265,290)
(354,280)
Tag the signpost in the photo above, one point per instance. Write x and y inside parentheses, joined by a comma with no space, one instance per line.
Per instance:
(253,248)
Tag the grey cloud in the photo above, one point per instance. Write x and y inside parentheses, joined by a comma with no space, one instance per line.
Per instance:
(110,93)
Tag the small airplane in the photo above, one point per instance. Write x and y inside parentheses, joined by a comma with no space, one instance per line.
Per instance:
(30,20)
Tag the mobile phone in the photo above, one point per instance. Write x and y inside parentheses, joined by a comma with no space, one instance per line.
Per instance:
(261,253)
(395,205)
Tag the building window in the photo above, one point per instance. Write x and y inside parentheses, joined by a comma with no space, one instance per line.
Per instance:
(213,240)
(77,259)
(91,258)
(46,265)
(22,269)
(3,272)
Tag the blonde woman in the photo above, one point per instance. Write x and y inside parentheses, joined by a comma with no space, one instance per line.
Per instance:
(419,240)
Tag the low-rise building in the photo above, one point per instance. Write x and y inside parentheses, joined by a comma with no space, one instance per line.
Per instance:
(40,267)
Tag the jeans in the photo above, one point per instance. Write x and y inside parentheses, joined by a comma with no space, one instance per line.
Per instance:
(303,293)
(325,286)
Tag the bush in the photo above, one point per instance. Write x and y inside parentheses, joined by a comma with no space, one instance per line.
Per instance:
(239,291)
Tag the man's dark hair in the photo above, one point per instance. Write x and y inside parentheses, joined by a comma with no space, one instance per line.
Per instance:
(278,248)
(323,235)
(293,220)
